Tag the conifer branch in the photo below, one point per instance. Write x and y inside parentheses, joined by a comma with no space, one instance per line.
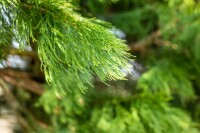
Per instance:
(69,45)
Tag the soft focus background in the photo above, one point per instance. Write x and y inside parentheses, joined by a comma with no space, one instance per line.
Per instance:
(161,95)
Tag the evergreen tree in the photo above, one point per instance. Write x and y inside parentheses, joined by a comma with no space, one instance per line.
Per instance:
(80,57)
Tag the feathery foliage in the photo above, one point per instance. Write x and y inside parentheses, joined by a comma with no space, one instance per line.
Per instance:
(68,45)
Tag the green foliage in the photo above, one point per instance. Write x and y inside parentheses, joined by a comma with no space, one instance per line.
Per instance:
(142,118)
(5,31)
(160,80)
(142,114)
(186,6)
(139,22)
(186,25)
(173,66)
(101,4)
(69,46)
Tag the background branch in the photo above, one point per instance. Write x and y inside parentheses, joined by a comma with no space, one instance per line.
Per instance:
(21,80)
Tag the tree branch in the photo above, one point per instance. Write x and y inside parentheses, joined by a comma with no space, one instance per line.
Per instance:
(10,98)
(154,38)
(141,45)
(21,80)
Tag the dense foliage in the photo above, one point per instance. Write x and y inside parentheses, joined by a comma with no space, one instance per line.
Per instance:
(77,51)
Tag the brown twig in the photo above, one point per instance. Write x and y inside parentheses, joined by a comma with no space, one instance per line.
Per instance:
(141,45)
(154,38)
(21,80)
(14,105)
(13,73)
(28,6)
